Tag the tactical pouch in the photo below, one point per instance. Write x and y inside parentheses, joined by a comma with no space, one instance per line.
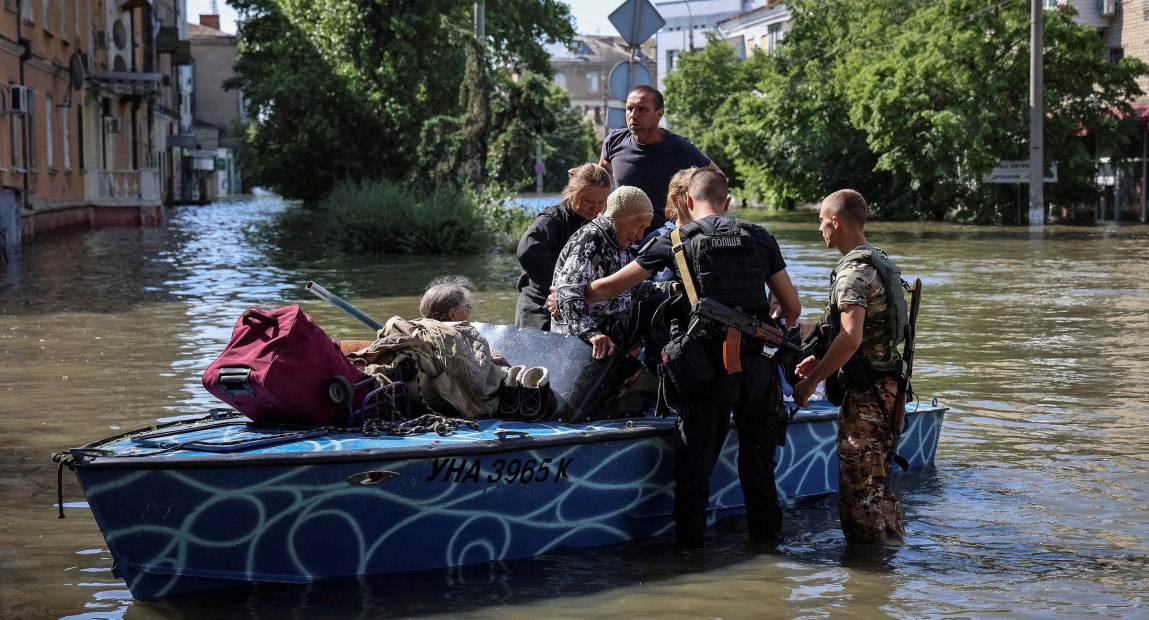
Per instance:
(855,375)
(686,364)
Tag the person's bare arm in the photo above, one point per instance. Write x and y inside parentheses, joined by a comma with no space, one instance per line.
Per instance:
(616,283)
(845,344)
(714,166)
(783,290)
(606,164)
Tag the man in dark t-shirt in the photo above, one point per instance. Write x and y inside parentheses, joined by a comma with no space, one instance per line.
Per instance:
(645,155)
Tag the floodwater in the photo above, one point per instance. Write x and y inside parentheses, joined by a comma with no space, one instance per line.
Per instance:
(1036,506)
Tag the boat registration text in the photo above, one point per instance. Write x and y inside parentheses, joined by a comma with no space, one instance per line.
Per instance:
(501,470)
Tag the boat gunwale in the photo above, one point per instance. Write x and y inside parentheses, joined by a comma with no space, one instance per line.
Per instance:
(92,457)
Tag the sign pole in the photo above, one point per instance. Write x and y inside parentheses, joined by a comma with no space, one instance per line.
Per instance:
(1036,117)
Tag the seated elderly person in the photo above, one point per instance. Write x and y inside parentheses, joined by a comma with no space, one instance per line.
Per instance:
(597,250)
(449,299)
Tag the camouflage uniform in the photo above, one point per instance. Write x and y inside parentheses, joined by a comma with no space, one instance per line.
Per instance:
(868,418)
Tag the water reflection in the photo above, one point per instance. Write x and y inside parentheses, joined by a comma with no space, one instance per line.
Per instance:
(1038,342)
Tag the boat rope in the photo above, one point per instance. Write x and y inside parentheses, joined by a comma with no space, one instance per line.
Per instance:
(63,459)
(442,425)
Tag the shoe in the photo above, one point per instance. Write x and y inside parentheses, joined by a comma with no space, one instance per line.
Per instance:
(535,389)
(510,394)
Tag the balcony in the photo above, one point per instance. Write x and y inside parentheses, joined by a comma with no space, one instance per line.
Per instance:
(124,187)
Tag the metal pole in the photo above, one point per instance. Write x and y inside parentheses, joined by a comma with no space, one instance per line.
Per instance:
(481,20)
(690,23)
(1036,118)
(352,311)
(1144,171)
(539,167)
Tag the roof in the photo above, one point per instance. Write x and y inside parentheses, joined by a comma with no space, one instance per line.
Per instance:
(196,30)
(592,47)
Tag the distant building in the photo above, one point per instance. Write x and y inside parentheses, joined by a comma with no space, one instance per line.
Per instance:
(762,28)
(687,22)
(583,69)
(1124,28)
(213,171)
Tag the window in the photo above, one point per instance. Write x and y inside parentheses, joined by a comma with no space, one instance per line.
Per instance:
(774,36)
(592,82)
(63,20)
(50,151)
(17,144)
(561,80)
(29,16)
(3,106)
(44,17)
(65,130)
(76,18)
(671,60)
(30,123)
(1116,54)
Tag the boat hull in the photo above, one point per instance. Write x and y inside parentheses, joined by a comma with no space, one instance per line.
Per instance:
(220,503)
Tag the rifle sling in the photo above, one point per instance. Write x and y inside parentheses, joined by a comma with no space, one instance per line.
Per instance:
(683,266)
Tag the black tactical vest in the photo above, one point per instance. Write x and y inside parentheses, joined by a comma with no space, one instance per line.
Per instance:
(728,264)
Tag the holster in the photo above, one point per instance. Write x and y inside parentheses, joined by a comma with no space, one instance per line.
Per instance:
(685,363)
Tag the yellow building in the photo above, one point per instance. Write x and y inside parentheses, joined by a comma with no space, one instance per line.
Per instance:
(89,94)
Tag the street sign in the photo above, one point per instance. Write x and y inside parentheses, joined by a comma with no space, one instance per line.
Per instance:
(625,76)
(1015,171)
(636,21)
(615,118)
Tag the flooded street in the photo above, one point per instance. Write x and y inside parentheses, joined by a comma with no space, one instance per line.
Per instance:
(1036,507)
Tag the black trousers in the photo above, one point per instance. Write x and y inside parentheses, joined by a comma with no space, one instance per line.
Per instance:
(703,421)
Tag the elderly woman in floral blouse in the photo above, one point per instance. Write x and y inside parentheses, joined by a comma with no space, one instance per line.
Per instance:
(597,250)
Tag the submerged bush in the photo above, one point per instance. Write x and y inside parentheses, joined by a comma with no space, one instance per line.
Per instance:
(385,217)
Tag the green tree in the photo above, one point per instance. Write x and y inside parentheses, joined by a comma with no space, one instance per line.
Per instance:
(702,94)
(911,101)
(348,89)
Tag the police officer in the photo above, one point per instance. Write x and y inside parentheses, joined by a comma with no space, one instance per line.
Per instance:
(867,309)
(733,263)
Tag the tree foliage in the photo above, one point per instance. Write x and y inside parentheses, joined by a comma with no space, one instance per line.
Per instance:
(368,89)
(910,102)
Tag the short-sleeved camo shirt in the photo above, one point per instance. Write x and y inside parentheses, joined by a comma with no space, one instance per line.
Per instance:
(858,283)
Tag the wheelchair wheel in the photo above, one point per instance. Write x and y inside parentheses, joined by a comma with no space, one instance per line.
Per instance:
(339,390)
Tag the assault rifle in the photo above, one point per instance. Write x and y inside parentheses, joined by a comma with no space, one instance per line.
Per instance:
(736,324)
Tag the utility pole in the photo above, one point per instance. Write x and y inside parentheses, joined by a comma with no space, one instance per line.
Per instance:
(481,20)
(1036,117)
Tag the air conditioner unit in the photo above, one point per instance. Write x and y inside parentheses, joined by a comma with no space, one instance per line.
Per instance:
(115,125)
(101,39)
(18,96)
(1107,7)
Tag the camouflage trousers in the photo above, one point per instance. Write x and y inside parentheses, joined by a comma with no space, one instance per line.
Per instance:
(866,429)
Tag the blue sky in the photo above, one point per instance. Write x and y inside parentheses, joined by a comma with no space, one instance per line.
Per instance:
(590,15)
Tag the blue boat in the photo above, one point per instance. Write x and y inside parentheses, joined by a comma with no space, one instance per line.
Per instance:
(221,502)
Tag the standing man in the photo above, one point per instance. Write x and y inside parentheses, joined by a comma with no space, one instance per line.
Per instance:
(645,155)
(867,311)
(732,263)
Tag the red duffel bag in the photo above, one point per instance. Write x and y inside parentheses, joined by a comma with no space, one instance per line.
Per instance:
(281,367)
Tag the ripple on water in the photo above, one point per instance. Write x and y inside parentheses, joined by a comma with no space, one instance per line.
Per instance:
(1035,507)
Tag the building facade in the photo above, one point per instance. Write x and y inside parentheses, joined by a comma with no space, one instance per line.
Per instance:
(687,22)
(763,28)
(215,110)
(88,98)
(584,68)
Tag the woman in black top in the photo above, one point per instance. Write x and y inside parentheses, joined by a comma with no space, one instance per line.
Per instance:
(583,198)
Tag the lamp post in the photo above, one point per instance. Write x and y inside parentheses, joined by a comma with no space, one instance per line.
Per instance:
(1036,118)
(690,25)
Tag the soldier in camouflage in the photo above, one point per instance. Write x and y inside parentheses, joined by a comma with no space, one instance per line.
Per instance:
(869,312)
